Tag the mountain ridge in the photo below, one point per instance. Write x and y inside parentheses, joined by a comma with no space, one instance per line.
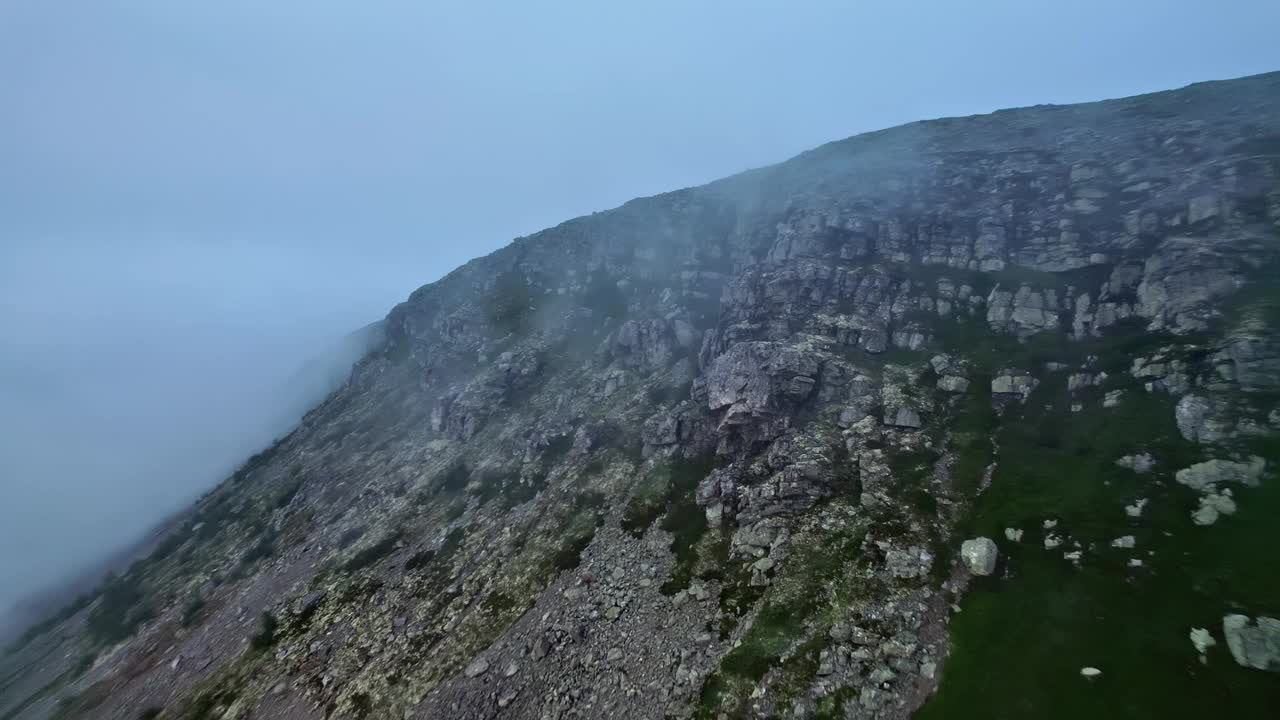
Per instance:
(742,449)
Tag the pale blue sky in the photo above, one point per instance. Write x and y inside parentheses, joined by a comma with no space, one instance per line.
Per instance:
(196,195)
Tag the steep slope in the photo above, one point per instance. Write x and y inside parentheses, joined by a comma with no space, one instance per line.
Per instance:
(714,453)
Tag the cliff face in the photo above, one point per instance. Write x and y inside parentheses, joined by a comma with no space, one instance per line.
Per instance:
(714,453)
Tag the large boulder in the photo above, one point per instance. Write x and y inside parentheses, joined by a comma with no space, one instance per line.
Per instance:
(1253,644)
(753,378)
(1210,473)
(979,555)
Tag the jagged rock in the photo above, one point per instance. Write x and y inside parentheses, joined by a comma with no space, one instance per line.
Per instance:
(953,384)
(979,555)
(1112,398)
(1013,534)
(758,378)
(1124,541)
(1253,643)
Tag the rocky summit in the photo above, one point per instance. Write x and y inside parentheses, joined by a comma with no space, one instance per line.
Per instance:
(973,417)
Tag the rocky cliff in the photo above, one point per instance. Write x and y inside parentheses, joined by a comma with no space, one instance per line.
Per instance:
(969,417)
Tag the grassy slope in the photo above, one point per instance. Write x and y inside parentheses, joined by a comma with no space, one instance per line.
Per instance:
(1019,643)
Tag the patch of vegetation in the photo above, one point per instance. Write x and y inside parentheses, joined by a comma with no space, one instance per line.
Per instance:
(455,510)
(432,565)
(972,427)
(512,303)
(290,489)
(685,520)
(912,471)
(648,501)
(350,536)
(361,705)
(737,595)
(499,602)
(266,635)
(802,594)
(264,548)
(604,298)
(1034,630)
(556,449)
(192,610)
(831,707)
(797,672)
(121,608)
(373,553)
(578,531)
(455,478)
(208,703)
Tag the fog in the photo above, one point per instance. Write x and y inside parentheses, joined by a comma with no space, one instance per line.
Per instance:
(198,199)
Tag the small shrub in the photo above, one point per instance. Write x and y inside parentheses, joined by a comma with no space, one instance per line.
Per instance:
(192,611)
(121,608)
(266,635)
(373,553)
(264,548)
(511,303)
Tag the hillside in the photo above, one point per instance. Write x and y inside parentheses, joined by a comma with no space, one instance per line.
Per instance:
(972,417)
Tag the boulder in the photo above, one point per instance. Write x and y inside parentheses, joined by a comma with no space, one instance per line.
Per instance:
(478,667)
(979,555)
(1210,473)
(904,417)
(1253,643)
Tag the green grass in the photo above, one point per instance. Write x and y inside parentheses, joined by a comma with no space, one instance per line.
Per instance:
(797,600)
(123,606)
(578,530)
(266,635)
(372,554)
(1020,642)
